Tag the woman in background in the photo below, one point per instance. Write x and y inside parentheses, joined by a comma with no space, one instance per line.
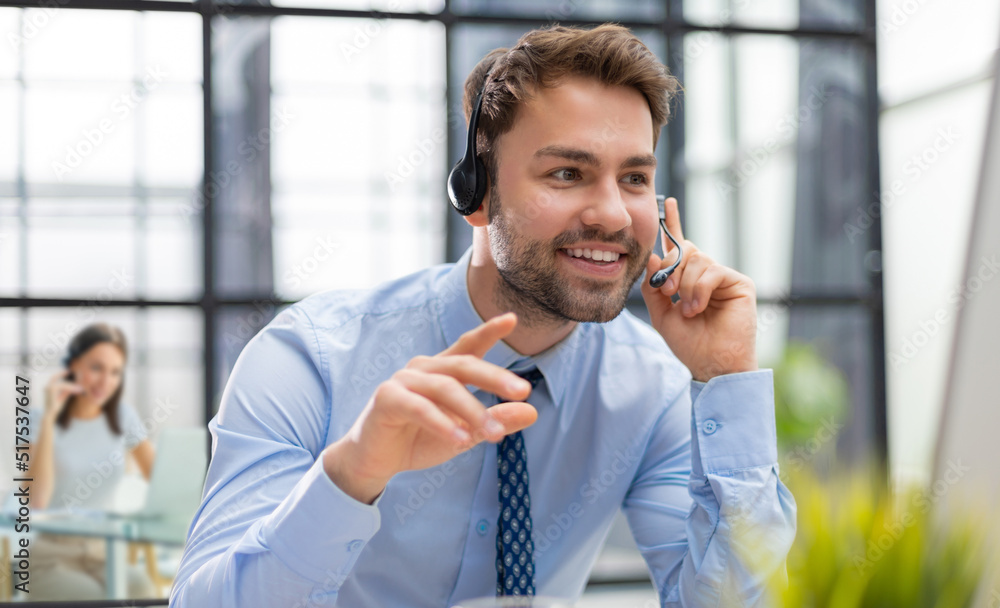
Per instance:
(80,444)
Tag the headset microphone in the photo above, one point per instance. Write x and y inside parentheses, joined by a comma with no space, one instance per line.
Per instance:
(660,276)
(467,180)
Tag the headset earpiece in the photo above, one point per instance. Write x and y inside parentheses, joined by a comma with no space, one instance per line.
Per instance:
(467,180)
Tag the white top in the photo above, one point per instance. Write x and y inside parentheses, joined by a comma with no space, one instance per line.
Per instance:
(90,458)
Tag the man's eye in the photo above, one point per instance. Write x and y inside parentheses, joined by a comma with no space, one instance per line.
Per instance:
(567,175)
(636,179)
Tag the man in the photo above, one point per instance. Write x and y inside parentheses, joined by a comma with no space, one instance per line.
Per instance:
(354,460)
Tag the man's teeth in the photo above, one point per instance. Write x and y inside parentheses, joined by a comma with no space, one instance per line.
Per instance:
(594,254)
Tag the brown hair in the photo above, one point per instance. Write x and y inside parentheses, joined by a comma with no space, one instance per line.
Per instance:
(609,52)
(87,338)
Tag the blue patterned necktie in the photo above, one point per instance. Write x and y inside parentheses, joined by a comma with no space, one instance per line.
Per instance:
(515,562)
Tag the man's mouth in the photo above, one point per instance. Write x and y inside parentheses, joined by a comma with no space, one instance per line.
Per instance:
(596,256)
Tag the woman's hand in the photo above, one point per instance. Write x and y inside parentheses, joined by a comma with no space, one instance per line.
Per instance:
(57,393)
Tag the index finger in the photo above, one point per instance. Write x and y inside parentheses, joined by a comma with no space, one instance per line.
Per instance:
(480,340)
(673,222)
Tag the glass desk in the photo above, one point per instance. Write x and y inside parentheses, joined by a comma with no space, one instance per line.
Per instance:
(116,530)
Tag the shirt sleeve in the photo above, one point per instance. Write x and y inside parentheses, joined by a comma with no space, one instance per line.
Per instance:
(132,427)
(272,529)
(711,516)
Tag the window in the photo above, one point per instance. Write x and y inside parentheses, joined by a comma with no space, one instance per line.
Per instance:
(188,200)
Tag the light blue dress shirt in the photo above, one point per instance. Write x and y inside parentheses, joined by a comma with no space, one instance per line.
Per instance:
(615,429)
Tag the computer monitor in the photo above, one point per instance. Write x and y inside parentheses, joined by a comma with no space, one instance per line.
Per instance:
(968,448)
(970,416)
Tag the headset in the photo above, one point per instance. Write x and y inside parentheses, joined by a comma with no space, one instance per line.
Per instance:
(467,180)
(467,187)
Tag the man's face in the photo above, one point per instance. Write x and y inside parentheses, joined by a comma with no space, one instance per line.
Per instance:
(572,217)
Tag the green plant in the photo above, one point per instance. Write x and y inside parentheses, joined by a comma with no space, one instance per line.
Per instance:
(809,392)
(858,545)
(855,549)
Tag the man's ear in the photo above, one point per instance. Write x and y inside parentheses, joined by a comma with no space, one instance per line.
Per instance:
(481,217)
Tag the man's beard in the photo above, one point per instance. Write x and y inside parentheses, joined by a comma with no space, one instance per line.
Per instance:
(531,285)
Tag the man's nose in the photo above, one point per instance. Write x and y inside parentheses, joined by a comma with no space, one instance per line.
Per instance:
(605,207)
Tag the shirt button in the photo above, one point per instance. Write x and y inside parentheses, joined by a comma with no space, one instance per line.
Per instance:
(483,527)
(710,426)
(354,545)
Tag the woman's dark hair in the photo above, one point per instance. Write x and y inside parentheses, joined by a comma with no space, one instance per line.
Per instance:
(87,338)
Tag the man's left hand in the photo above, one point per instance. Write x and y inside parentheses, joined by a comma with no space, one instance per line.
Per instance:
(713,328)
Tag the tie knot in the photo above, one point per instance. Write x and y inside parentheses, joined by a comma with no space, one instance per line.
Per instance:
(532,375)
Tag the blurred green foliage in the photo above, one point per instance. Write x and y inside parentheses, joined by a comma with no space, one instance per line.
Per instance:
(858,545)
(854,549)
(808,392)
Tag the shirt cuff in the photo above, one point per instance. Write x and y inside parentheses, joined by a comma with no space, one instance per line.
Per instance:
(318,530)
(732,423)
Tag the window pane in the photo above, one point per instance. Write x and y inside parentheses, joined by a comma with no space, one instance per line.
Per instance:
(352,136)
(10,121)
(556,10)
(781,155)
(781,14)
(12,33)
(135,131)
(768,123)
(85,46)
(102,248)
(173,245)
(395,6)
(84,249)
(171,368)
(172,136)
(10,329)
(309,256)
(10,248)
(172,45)
(93,144)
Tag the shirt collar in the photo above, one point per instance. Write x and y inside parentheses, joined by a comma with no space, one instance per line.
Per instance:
(457,315)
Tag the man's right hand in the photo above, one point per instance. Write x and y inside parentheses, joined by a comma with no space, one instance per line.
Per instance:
(424,415)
